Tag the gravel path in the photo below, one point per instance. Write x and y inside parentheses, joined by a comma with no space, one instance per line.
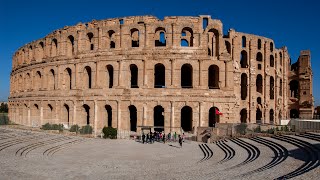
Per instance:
(37,155)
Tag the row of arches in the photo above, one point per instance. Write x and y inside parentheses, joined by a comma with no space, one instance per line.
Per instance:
(259,44)
(67,78)
(244,59)
(244,116)
(111,40)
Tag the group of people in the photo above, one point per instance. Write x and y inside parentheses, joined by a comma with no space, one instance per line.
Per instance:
(162,137)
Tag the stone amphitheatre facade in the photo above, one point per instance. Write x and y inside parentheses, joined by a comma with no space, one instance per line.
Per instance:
(176,73)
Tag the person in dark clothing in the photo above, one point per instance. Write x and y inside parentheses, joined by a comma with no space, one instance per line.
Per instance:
(180,141)
(143,136)
(148,138)
(164,138)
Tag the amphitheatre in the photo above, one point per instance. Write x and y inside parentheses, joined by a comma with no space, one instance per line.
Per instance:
(180,74)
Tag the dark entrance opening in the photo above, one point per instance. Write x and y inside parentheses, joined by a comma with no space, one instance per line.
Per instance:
(186,76)
(87,110)
(159,76)
(213,117)
(67,113)
(213,80)
(133,118)
(134,76)
(186,118)
(243,116)
(158,118)
(88,71)
(110,72)
(258,116)
(294,88)
(271,114)
(244,84)
(109,114)
(294,113)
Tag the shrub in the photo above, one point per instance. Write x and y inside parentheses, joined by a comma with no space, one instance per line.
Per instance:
(86,129)
(46,126)
(241,128)
(270,131)
(109,132)
(49,126)
(257,129)
(74,128)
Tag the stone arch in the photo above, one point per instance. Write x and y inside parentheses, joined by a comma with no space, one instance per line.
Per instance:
(259,83)
(54,47)
(133,118)
(86,109)
(258,116)
(111,38)
(271,46)
(40,50)
(187,36)
(244,59)
(213,42)
(87,77)
(294,88)
(271,116)
(70,46)
(213,116)
(244,86)
(110,76)
(134,76)
(51,80)
(294,113)
(135,37)
(30,53)
(228,46)
(243,115)
(68,78)
(108,109)
(186,118)
(38,80)
(271,87)
(66,114)
(35,115)
(158,118)
(213,79)
(160,37)
(186,76)
(28,79)
(259,57)
(159,76)
(271,61)
(49,113)
(90,42)
(280,56)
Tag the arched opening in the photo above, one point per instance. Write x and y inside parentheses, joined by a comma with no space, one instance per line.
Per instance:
(280,54)
(112,43)
(66,113)
(259,56)
(86,109)
(158,118)
(213,116)
(160,37)
(135,37)
(30,53)
(28,79)
(40,50)
(294,114)
(244,42)
(244,59)
(228,46)
(258,116)
(109,115)
(271,46)
(159,76)
(54,47)
(110,75)
(244,84)
(50,113)
(213,79)
(186,76)
(259,101)
(38,81)
(88,77)
(134,76)
(271,61)
(51,80)
(68,78)
(280,88)
(259,83)
(271,116)
(187,37)
(186,118)
(133,118)
(90,41)
(280,116)
(70,45)
(35,115)
(294,88)
(213,42)
(243,116)
(259,44)
(271,87)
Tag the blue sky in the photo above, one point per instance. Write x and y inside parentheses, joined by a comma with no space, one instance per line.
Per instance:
(293,23)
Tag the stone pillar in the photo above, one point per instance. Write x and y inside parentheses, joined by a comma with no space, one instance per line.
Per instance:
(95,118)
(118,115)
(29,117)
(41,115)
(74,114)
(172,116)
(144,115)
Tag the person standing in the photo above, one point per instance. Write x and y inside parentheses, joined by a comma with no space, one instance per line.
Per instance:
(164,138)
(143,136)
(175,136)
(180,141)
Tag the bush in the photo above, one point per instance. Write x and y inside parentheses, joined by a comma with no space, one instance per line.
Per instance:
(74,128)
(86,129)
(4,120)
(241,128)
(257,129)
(270,131)
(49,126)
(109,132)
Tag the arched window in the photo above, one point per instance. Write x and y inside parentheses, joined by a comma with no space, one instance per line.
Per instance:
(213,116)
(271,116)
(213,42)
(109,115)
(186,76)
(70,45)
(243,116)
(110,75)
(294,114)
(259,83)
(134,76)
(30,54)
(38,80)
(158,118)
(186,118)
(213,79)
(271,46)
(133,118)
(35,115)
(244,84)
(244,42)
(54,47)
(159,76)
(66,114)
(87,77)
(280,88)
(280,54)
(135,36)
(259,57)
(86,109)
(244,59)
(49,113)
(40,50)
(271,61)
(258,116)
(51,80)
(187,37)
(271,87)
(68,78)
(294,88)
(160,37)
(112,43)
(259,44)
(90,41)
(28,79)
(228,46)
